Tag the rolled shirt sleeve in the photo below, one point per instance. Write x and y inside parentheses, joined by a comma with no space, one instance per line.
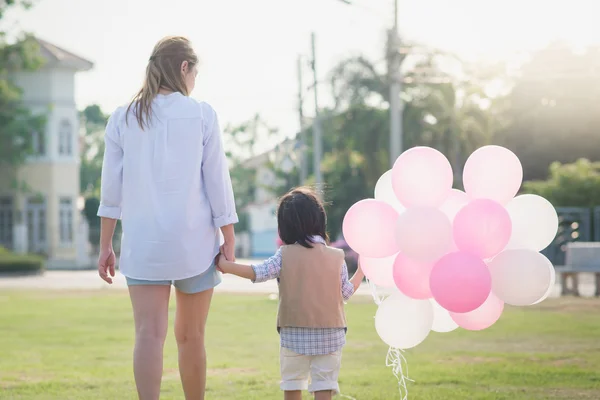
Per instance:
(215,173)
(112,171)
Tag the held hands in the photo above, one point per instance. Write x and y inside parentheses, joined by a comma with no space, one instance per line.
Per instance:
(222,263)
(228,250)
(226,253)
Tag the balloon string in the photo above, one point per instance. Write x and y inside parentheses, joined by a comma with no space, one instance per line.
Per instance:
(376,297)
(395,357)
(396,360)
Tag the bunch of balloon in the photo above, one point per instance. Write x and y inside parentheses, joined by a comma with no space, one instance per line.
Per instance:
(455,258)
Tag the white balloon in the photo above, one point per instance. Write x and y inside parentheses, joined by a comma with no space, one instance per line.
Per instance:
(454,203)
(534,222)
(424,234)
(385,192)
(380,271)
(402,322)
(442,321)
(520,277)
(551,288)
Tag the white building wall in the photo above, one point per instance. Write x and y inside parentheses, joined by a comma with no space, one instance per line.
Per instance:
(54,175)
(62,86)
(36,85)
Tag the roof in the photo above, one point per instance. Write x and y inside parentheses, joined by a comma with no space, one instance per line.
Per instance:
(263,157)
(57,56)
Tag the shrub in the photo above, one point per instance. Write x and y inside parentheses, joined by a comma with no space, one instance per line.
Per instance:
(569,185)
(10,262)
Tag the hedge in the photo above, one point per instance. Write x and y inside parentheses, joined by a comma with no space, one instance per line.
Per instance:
(10,262)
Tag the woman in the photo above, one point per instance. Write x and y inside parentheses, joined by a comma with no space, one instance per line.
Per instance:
(165,176)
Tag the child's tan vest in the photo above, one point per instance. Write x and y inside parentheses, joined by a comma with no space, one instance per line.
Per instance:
(310,292)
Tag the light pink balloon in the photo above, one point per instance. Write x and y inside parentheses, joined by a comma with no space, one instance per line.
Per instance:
(493,172)
(380,271)
(412,277)
(460,282)
(483,228)
(483,317)
(424,233)
(369,228)
(422,177)
(454,203)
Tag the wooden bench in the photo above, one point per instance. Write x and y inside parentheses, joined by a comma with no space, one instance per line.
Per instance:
(580,257)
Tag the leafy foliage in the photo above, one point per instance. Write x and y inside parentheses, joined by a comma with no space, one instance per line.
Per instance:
(94,121)
(241,142)
(19,263)
(17,123)
(569,185)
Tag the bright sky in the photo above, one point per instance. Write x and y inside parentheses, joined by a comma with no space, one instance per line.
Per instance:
(249,47)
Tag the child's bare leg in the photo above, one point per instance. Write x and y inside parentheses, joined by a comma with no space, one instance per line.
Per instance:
(323,395)
(292,395)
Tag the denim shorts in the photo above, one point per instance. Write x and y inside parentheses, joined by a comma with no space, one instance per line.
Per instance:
(196,284)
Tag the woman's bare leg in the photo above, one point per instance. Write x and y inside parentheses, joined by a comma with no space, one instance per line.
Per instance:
(151,314)
(190,321)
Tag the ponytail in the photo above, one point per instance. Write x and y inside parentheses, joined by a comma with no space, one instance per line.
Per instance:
(163,71)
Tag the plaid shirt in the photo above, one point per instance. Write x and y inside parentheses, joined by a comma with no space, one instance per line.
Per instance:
(307,341)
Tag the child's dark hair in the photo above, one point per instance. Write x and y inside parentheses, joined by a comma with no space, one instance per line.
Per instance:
(300,216)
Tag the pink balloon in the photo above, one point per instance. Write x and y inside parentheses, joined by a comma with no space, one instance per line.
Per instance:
(493,172)
(422,177)
(412,277)
(483,228)
(369,228)
(379,270)
(424,233)
(483,317)
(460,282)
(454,203)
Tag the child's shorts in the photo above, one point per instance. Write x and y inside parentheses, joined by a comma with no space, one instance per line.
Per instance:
(298,369)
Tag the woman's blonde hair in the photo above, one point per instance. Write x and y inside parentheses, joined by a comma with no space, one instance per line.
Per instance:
(163,71)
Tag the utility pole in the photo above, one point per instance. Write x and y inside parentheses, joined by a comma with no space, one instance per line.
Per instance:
(303,163)
(395,76)
(317,150)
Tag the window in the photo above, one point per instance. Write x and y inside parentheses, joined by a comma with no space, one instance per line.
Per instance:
(66,220)
(36,224)
(6,222)
(65,138)
(38,143)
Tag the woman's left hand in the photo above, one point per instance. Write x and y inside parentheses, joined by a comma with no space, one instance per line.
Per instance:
(228,250)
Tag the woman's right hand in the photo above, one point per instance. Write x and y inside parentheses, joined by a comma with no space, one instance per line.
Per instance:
(106,264)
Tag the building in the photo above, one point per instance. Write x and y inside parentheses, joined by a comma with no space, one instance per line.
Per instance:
(261,212)
(45,218)
(263,234)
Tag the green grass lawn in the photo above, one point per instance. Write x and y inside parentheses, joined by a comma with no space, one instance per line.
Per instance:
(78,345)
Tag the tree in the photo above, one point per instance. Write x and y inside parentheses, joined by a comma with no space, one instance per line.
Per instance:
(94,121)
(241,142)
(553,109)
(569,185)
(449,112)
(17,124)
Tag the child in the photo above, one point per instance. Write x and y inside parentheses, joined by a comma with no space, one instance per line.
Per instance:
(313,285)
